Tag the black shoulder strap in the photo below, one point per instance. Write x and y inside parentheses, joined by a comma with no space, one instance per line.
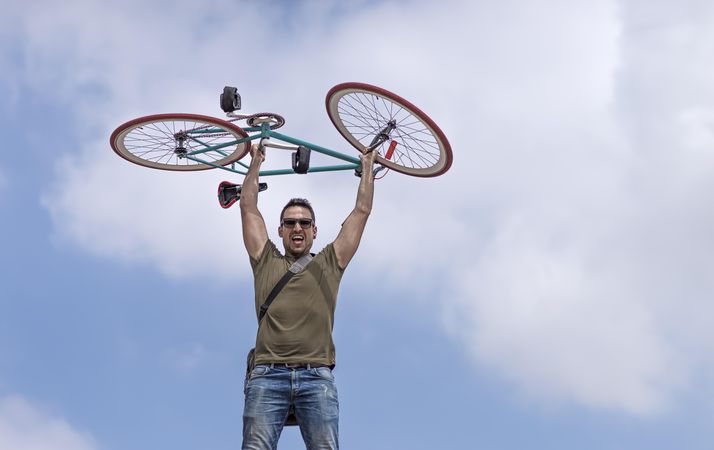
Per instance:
(295,268)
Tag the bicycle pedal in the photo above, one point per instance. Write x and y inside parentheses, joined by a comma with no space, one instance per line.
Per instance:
(230,99)
(301,160)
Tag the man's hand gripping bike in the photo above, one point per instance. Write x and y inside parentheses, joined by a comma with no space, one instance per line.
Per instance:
(369,117)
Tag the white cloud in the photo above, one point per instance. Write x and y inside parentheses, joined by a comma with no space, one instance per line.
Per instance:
(562,322)
(572,236)
(169,220)
(594,286)
(23,426)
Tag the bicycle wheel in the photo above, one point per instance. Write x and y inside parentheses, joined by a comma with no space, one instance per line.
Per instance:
(179,142)
(416,145)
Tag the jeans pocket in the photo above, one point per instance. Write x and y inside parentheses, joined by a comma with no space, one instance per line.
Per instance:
(259,371)
(324,372)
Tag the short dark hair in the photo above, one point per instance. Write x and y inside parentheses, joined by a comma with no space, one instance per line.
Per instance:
(302,202)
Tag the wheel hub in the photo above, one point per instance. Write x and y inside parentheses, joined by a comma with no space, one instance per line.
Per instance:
(180,151)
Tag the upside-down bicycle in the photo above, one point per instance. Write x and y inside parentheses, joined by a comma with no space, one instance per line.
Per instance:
(406,139)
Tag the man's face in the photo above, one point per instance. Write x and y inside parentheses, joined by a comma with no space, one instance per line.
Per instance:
(297,239)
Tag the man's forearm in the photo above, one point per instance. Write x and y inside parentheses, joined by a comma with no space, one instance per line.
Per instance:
(351,233)
(365,192)
(249,190)
(254,233)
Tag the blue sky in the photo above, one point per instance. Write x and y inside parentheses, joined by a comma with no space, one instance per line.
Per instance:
(551,291)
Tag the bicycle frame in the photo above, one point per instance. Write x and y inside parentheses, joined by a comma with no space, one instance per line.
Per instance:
(264,133)
(406,139)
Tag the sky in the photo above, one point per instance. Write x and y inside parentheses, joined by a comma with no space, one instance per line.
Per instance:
(553,290)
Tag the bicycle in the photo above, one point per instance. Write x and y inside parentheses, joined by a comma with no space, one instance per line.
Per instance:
(369,117)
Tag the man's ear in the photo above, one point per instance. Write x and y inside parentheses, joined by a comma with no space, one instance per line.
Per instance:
(314,232)
(280,232)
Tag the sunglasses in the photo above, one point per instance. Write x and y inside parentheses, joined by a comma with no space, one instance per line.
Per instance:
(290,223)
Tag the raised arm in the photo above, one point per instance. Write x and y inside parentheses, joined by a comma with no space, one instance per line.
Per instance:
(255,235)
(349,237)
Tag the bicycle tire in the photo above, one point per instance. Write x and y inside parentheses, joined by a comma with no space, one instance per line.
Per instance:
(159,141)
(418,146)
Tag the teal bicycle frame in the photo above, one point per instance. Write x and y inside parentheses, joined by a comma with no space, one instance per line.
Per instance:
(263,132)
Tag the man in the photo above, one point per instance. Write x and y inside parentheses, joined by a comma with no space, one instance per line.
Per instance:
(294,351)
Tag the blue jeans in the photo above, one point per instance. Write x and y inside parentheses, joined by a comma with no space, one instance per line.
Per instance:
(270,392)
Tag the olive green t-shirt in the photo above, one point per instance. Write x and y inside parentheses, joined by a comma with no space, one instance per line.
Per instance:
(297,327)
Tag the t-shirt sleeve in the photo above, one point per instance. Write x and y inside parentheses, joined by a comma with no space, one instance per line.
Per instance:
(268,249)
(331,259)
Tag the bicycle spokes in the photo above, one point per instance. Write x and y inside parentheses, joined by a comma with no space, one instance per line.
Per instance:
(364,114)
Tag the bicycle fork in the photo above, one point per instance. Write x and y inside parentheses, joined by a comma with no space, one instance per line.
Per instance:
(378,140)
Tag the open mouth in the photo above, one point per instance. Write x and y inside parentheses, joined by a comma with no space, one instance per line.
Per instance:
(298,239)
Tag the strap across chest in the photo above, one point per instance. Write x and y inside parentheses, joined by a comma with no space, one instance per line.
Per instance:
(296,267)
